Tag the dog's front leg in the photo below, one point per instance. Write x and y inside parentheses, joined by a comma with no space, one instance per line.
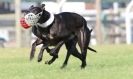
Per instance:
(54,53)
(33,49)
(41,52)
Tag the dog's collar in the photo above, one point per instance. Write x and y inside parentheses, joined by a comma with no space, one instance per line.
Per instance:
(48,22)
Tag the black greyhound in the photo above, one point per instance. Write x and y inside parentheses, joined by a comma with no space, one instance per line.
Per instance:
(60,29)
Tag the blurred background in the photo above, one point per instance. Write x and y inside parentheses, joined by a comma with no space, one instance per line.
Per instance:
(110,19)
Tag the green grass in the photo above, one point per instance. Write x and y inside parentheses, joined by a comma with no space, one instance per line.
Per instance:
(111,62)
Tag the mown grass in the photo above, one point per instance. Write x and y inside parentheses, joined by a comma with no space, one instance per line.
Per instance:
(111,62)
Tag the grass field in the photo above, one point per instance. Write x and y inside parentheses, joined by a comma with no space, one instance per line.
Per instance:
(111,62)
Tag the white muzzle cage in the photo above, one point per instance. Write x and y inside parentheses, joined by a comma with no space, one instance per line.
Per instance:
(31,19)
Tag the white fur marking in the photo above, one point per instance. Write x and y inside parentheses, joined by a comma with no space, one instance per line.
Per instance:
(48,22)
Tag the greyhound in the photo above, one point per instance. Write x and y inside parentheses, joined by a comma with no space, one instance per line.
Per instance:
(59,28)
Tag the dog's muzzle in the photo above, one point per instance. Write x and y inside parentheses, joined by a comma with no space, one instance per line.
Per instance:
(31,19)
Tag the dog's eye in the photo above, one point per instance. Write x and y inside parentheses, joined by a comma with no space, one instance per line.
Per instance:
(39,14)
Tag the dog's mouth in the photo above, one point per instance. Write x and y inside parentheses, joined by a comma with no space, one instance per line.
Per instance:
(30,19)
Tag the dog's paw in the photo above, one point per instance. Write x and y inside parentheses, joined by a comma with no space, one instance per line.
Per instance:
(54,55)
(39,59)
(31,57)
(63,66)
(48,62)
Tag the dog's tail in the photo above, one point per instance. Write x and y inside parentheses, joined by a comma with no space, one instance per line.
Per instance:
(91,49)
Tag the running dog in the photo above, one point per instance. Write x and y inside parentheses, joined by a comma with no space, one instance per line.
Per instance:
(57,29)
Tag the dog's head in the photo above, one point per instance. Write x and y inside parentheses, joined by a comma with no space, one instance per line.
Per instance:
(33,14)
(36,9)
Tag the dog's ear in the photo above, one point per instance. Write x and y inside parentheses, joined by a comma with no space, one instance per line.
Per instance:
(43,6)
(31,7)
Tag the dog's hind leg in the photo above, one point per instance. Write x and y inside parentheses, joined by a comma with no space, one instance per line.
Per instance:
(83,41)
(74,52)
(33,49)
(71,49)
(68,47)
